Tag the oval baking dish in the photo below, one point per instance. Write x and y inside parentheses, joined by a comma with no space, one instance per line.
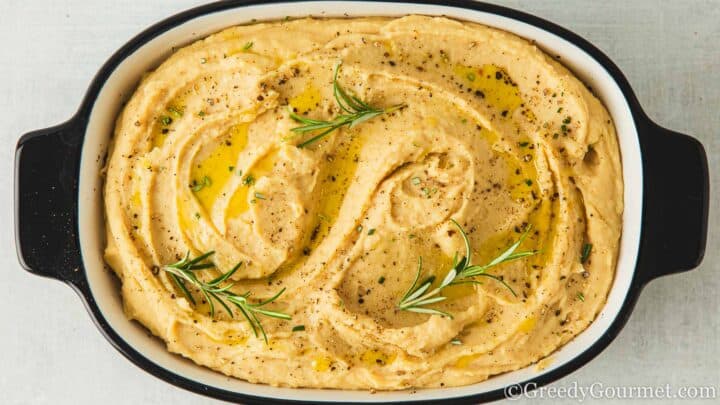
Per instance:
(59,214)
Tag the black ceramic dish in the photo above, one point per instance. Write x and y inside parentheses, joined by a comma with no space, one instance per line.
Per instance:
(49,198)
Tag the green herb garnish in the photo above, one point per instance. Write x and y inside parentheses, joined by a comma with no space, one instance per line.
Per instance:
(356,112)
(371,231)
(260,196)
(218,290)
(298,328)
(165,120)
(456,342)
(248,180)
(205,182)
(581,296)
(175,111)
(381,279)
(419,296)
(247,46)
(585,253)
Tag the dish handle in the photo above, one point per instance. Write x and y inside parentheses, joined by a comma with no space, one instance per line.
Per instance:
(676,200)
(46,184)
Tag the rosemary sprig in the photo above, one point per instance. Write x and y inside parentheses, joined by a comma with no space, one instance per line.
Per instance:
(419,296)
(356,112)
(182,273)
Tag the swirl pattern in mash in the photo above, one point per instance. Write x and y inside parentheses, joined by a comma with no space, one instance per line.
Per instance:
(496,134)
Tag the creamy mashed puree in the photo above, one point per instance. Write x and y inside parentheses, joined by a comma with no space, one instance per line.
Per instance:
(476,125)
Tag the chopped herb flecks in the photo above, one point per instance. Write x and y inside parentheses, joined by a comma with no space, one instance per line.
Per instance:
(585,253)
(199,185)
(175,111)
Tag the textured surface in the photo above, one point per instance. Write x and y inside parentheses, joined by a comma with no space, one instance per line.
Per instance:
(52,352)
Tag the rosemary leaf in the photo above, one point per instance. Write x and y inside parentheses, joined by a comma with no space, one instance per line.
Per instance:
(355,113)
(218,290)
(418,297)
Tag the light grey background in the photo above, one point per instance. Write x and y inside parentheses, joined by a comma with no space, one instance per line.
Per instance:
(50,352)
